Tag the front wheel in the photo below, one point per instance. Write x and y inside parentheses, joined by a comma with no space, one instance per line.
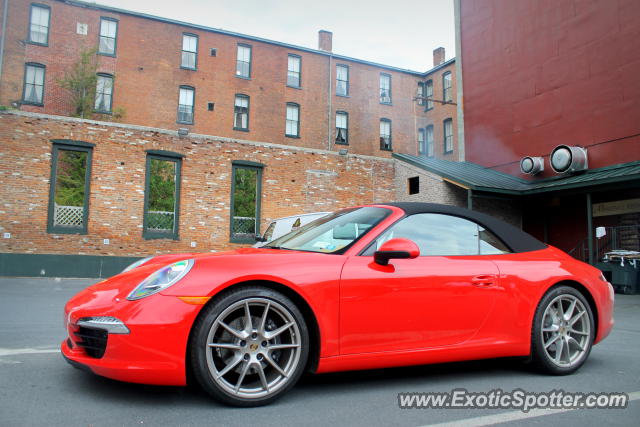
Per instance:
(249,347)
(563,331)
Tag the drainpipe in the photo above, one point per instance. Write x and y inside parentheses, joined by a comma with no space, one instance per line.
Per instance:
(330,99)
(590,228)
(5,10)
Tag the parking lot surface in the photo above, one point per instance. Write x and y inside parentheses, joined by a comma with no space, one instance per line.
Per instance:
(38,388)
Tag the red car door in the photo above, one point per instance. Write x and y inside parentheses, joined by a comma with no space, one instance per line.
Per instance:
(437,299)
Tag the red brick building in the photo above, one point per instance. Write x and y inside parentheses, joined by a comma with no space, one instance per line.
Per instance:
(537,75)
(212,134)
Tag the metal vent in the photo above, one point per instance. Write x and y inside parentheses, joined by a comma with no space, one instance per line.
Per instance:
(531,165)
(566,159)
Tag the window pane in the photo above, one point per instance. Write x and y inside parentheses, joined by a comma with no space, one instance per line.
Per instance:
(34,84)
(430,141)
(341,120)
(162,196)
(69,197)
(437,234)
(245,201)
(39,25)
(104,89)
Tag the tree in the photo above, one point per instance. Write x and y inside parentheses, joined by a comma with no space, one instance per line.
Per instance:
(80,80)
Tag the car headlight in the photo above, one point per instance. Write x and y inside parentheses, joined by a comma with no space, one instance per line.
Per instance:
(136,264)
(161,279)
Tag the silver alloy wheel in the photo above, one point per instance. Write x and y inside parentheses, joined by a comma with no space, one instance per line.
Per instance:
(253,348)
(566,331)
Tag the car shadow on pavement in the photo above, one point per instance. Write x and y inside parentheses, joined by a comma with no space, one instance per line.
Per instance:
(310,386)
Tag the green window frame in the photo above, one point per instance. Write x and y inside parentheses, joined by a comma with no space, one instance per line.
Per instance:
(104,94)
(240,229)
(69,218)
(33,85)
(189,55)
(157,224)
(106,36)
(342,80)
(447,132)
(446,87)
(429,139)
(385,88)
(292,120)
(186,102)
(241,106)
(243,61)
(294,70)
(428,93)
(385,135)
(38,14)
(422,148)
(342,128)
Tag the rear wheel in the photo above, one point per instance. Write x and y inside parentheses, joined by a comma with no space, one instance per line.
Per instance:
(563,331)
(250,346)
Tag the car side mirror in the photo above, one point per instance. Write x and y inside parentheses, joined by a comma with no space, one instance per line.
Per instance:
(259,238)
(396,249)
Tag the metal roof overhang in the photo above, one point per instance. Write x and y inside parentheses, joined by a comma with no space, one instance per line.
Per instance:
(471,176)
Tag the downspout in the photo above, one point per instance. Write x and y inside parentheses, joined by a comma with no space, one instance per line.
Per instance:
(459,85)
(5,10)
(590,228)
(330,99)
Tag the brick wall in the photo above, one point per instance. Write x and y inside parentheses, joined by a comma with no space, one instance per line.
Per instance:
(434,189)
(148,74)
(294,180)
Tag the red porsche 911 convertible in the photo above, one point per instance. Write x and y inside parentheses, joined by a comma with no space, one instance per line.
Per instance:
(367,287)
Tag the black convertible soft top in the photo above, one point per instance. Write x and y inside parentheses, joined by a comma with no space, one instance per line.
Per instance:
(516,239)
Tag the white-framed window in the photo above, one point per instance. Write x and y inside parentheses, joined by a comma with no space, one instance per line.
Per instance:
(422,149)
(446,87)
(428,90)
(430,141)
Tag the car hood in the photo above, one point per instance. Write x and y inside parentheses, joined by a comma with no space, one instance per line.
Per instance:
(212,271)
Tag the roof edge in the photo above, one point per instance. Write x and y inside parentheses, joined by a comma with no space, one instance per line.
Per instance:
(98,6)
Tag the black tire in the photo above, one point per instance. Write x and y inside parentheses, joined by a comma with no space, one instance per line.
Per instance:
(545,357)
(256,354)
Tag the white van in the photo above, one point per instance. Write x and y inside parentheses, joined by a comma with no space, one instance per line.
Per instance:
(281,226)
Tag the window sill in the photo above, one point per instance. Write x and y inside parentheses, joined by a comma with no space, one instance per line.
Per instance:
(343,96)
(241,129)
(242,241)
(113,55)
(35,104)
(37,43)
(155,236)
(188,68)
(386,103)
(342,143)
(295,87)
(292,136)
(243,77)
(102,112)
(184,123)
(448,152)
(386,149)
(59,230)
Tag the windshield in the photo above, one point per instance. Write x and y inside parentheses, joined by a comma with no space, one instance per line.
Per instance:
(333,233)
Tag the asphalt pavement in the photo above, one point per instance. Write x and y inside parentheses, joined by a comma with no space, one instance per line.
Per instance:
(37,388)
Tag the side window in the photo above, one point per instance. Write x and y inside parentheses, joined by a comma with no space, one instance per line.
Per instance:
(245,202)
(442,235)
(69,192)
(162,196)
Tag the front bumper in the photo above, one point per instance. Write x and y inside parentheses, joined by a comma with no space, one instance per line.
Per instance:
(154,350)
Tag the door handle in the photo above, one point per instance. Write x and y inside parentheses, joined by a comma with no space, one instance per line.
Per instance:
(484,280)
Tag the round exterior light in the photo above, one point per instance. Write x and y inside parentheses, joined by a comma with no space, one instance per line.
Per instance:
(566,159)
(531,165)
